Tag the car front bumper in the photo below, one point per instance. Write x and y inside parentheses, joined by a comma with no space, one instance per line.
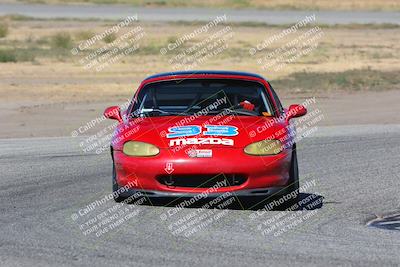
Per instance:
(264,175)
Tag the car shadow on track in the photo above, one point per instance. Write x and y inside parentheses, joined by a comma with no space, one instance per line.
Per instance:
(306,201)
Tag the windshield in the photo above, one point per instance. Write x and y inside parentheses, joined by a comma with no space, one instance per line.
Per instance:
(205,97)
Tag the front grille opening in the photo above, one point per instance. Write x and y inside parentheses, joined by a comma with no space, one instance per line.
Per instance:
(202,181)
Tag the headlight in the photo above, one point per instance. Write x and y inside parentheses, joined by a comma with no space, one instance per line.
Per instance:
(265,147)
(140,149)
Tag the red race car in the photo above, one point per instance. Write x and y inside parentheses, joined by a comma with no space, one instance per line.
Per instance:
(187,133)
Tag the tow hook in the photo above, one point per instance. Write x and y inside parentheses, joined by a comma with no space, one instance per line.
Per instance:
(169,181)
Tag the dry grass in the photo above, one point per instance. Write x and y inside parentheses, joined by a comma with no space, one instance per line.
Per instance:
(272,4)
(346,59)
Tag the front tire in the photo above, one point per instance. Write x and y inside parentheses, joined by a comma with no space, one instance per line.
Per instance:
(115,187)
(294,184)
(294,172)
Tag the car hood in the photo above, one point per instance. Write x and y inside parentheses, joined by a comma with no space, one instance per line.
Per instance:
(156,130)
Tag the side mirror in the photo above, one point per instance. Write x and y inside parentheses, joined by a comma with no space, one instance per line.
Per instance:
(113,113)
(295,111)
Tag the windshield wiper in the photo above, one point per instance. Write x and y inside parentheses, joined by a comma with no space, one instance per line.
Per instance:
(241,112)
(164,112)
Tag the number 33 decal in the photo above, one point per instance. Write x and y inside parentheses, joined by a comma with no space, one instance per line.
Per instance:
(191,130)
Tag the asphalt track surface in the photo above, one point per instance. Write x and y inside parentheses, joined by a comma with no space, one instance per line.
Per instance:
(46,182)
(197,14)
